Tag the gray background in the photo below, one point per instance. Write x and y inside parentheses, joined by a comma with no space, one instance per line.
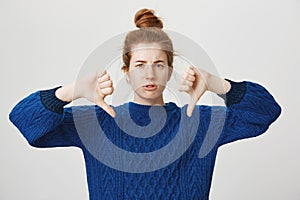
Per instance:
(44,43)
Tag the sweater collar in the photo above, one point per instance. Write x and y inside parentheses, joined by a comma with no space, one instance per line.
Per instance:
(139,113)
(135,107)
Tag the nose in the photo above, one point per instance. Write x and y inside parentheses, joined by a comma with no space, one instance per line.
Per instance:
(150,73)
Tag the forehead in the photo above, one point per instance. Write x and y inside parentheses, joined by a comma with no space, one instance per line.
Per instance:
(147,52)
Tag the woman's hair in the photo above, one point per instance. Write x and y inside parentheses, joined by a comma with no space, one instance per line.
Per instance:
(150,31)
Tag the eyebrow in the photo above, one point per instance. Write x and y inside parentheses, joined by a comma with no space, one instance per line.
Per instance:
(143,61)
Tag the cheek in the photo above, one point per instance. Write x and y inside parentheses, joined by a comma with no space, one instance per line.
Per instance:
(134,76)
(163,76)
(135,79)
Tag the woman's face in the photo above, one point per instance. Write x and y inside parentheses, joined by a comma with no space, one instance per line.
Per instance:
(148,73)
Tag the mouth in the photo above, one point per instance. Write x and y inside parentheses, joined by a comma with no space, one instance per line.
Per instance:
(150,87)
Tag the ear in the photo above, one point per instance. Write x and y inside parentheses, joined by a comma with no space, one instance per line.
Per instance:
(125,71)
(170,72)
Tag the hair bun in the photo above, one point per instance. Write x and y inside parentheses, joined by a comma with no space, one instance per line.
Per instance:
(145,18)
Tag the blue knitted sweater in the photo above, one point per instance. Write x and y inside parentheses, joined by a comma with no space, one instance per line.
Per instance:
(147,152)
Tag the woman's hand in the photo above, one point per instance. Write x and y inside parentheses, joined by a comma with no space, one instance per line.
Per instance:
(197,81)
(94,87)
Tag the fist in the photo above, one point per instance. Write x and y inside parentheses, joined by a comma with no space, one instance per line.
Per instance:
(193,82)
(104,87)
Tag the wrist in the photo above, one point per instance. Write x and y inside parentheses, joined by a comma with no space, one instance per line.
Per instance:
(217,85)
(65,93)
(50,100)
(235,94)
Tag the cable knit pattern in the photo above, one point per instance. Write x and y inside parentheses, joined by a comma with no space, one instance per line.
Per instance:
(249,111)
(235,94)
(50,102)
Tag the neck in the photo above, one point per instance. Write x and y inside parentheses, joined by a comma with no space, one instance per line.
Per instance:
(149,102)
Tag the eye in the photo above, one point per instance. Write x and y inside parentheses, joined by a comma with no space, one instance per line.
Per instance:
(140,65)
(159,65)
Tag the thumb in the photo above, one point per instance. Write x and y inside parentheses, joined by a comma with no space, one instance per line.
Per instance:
(107,108)
(193,101)
(191,105)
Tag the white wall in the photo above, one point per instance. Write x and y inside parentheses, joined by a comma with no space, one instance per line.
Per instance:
(44,43)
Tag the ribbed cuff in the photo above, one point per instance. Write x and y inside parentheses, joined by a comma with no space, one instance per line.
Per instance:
(235,94)
(51,102)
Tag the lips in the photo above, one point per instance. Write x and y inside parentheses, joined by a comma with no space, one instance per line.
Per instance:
(150,87)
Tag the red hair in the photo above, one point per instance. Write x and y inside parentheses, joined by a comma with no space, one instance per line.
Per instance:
(150,31)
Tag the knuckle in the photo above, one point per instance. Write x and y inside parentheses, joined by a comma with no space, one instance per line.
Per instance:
(103,91)
(99,79)
(105,77)
(188,83)
(192,78)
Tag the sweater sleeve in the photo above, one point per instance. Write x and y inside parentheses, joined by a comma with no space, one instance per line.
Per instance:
(250,110)
(43,121)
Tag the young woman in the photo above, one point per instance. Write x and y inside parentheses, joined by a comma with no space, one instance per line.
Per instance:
(176,172)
